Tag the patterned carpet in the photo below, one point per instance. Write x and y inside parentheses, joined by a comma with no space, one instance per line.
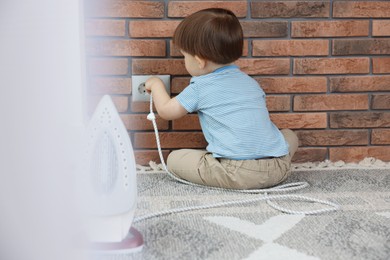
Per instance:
(360,230)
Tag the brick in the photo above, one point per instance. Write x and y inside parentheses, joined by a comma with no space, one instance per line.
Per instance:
(140,122)
(245,50)
(332,137)
(299,121)
(380,136)
(105,27)
(188,122)
(143,157)
(359,83)
(158,66)
(381,65)
(101,85)
(175,52)
(289,9)
(290,47)
(380,28)
(107,66)
(121,102)
(170,140)
(310,155)
(179,83)
(344,28)
(265,66)
(331,102)
(141,107)
(380,101)
(368,9)
(331,65)
(279,103)
(265,28)
(357,154)
(359,119)
(152,29)
(150,48)
(292,84)
(124,9)
(361,46)
(185,8)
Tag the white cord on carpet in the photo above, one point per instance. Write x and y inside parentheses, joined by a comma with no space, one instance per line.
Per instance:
(281,188)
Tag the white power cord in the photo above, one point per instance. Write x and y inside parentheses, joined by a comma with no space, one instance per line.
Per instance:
(280,188)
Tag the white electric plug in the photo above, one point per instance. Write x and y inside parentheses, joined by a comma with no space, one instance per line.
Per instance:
(139,92)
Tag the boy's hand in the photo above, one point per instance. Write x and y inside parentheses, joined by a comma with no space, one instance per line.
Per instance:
(152,83)
(168,108)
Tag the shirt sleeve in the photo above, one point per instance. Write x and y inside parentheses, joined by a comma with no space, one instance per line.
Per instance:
(188,98)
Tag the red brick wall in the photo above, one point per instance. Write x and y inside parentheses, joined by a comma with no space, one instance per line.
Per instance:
(324,65)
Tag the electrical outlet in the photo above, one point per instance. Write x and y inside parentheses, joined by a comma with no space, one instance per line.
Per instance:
(138,86)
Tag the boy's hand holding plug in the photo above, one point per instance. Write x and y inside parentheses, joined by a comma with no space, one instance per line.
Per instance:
(167,108)
(153,82)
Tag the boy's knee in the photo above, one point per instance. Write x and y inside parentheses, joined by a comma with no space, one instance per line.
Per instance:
(175,156)
(171,159)
(292,140)
(177,159)
(293,135)
(185,158)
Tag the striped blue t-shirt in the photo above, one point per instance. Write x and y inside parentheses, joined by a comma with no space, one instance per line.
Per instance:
(233,115)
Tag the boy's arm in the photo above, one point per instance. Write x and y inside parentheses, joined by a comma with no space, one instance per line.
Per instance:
(167,108)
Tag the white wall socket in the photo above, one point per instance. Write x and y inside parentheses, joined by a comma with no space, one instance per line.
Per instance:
(138,90)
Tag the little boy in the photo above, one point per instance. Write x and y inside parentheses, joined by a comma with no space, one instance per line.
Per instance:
(245,149)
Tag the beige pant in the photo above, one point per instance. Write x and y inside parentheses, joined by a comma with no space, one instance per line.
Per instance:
(199,166)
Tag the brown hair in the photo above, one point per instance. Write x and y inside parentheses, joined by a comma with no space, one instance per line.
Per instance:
(213,34)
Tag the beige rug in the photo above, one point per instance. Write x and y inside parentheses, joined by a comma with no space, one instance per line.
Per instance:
(360,230)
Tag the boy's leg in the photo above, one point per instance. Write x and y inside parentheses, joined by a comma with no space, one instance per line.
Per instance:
(282,165)
(184,164)
(258,174)
(198,166)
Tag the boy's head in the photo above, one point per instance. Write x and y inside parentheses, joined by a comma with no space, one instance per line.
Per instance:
(213,34)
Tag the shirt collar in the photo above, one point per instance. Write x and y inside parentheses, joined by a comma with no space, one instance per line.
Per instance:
(227,67)
(232,66)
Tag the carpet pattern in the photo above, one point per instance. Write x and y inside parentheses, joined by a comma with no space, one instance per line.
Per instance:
(360,230)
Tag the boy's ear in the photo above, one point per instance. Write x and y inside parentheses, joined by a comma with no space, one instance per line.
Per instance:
(201,62)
